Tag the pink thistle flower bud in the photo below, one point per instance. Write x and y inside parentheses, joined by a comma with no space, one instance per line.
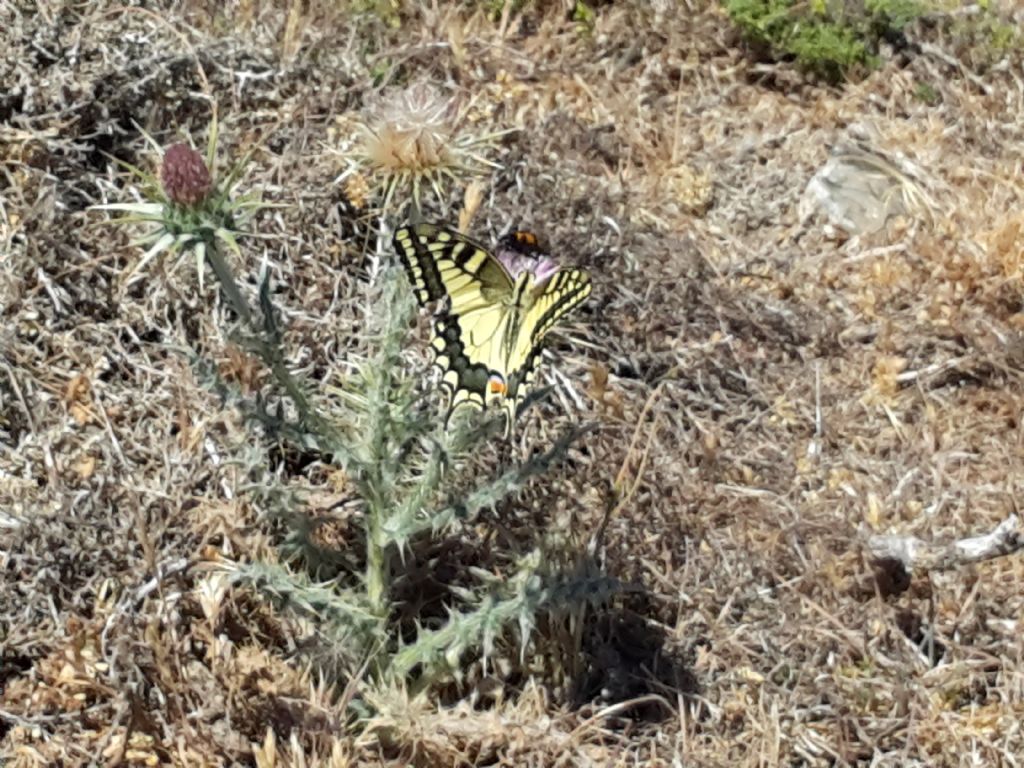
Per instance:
(185,177)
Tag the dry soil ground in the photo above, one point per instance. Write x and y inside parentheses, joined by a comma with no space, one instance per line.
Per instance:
(770,392)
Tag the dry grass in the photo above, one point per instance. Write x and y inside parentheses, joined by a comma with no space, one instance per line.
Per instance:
(769,394)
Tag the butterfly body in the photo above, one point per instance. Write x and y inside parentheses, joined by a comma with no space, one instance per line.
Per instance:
(497,309)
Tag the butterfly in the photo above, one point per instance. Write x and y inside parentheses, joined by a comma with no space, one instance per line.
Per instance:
(497,309)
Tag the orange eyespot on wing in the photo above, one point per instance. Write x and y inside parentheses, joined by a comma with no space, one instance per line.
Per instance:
(496,385)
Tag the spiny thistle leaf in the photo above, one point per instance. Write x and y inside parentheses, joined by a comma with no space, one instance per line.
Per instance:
(409,522)
(343,610)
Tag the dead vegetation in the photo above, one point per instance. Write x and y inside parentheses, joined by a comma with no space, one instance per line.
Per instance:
(771,392)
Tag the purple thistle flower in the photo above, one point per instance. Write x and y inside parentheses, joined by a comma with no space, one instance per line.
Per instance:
(516,262)
(185,177)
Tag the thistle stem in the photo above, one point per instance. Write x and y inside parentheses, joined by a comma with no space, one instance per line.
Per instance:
(378,501)
(376,563)
(270,352)
(227,281)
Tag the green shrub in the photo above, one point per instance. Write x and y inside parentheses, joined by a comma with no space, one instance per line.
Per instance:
(982,40)
(831,40)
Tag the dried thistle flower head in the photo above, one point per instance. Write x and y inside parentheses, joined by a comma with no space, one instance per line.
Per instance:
(412,136)
(413,130)
(184,175)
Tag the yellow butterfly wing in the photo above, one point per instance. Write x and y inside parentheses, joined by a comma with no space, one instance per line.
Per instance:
(566,290)
(441,263)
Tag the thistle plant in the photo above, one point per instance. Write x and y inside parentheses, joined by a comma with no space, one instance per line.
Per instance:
(415,485)
(414,481)
(189,209)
